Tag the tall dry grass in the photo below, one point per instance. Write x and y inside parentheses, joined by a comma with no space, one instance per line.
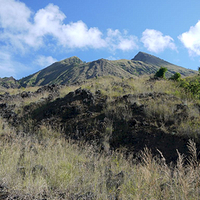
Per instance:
(54,168)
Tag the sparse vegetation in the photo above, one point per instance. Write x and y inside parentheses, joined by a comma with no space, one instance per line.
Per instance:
(50,159)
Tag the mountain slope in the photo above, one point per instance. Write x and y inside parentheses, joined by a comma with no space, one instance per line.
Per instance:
(150,59)
(154,61)
(65,72)
(73,70)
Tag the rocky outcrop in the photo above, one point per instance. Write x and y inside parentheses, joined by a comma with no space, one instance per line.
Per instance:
(85,116)
(108,125)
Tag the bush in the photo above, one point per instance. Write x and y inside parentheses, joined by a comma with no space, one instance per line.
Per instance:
(191,86)
(176,77)
(161,72)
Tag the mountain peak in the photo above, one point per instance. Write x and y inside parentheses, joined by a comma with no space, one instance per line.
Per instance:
(150,59)
(142,56)
(71,60)
(100,61)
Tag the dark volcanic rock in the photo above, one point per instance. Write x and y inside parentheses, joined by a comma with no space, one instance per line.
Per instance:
(49,88)
(25,94)
(7,112)
(83,115)
(78,114)
(78,102)
(3,192)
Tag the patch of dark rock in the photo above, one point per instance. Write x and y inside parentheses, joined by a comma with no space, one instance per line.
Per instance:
(73,104)
(25,94)
(83,116)
(7,112)
(49,88)
(3,192)
(86,196)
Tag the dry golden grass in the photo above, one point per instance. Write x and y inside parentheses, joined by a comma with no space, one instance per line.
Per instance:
(55,167)
(12,91)
(45,165)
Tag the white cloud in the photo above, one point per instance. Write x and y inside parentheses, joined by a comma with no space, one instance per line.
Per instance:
(7,65)
(14,15)
(191,39)
(14,23)
(154,41)
(44,61)
(116,40)
(23,30)
(47,21)
(77,35)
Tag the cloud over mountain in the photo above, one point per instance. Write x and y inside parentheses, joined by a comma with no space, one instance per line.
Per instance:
(156,42)
(117,40)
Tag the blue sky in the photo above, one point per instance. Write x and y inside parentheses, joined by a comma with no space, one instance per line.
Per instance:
(34,34)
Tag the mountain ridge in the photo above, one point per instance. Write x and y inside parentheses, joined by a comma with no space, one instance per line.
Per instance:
(73,69)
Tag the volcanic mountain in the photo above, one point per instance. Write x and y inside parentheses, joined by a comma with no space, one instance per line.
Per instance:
(72,70)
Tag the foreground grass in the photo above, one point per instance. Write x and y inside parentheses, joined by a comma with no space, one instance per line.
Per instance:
(54,168)
(46,166)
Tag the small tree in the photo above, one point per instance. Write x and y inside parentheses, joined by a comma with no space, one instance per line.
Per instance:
(161,72)
(176,77)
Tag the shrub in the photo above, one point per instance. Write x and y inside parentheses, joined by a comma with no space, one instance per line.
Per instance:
(161,72)
(176,77)
(191,86)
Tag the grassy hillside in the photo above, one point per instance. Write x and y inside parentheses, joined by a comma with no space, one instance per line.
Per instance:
(106,138)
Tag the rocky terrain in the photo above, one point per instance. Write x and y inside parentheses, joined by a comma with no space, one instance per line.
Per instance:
(124,122)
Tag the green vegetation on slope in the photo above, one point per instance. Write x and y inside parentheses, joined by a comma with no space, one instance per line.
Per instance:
(192,86)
